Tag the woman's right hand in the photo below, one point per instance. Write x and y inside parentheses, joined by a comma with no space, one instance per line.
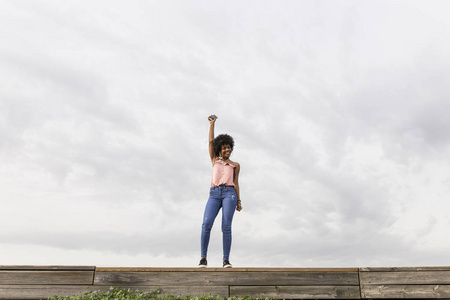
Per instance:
(213,117)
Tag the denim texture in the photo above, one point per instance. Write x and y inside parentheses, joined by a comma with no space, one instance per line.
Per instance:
(219,197)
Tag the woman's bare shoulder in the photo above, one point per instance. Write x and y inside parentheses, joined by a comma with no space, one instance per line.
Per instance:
(236,164)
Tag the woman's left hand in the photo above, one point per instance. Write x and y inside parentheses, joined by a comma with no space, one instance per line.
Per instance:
(239,206)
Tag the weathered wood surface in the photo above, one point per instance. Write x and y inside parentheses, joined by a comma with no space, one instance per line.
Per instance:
(230,277)
(49,268)
(405,282)
(143,269)
(46,277)
(403,269)
(297,292)
(418,277)
(36,282)
(46,291)
(405,291)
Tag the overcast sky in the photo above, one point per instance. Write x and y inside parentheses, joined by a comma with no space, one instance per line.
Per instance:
(339,111)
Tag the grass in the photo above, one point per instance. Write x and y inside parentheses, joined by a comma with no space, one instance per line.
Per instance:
(115,293)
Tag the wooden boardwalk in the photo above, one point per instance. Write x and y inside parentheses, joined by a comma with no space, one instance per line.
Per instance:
(41,282)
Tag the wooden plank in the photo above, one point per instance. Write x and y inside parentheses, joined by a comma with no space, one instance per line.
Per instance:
(418,277)
(403,269)
(296,292)
(46,277)
(226,278)
(49,268)
(46,291)
(196,269)
(405,291)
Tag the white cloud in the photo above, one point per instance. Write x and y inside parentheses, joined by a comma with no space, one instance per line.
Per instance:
(338,112)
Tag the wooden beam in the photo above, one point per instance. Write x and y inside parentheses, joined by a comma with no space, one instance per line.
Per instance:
(44,291)
(200,278)
(46,277)
(417,277)
(146,269)
(296,292)
(48,268)
(405,291)
(403,269)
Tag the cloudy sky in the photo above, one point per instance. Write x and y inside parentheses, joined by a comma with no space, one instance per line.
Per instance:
(339,110)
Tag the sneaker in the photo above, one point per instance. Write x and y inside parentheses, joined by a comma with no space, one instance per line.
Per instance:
(226,264)
(203,263)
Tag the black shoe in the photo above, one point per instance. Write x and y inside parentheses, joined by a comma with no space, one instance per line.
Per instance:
(203,263)
(226,264)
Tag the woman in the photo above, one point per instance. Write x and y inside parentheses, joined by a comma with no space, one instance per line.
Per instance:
(224,192)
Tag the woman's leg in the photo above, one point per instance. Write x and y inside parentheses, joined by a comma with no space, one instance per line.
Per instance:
(211,210)
(229,206)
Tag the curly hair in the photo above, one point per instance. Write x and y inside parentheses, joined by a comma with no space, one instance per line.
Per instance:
(220,140)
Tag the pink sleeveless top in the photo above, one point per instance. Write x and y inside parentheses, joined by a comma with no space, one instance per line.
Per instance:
(222,173)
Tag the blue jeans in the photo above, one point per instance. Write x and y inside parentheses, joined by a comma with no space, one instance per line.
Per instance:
(219,197)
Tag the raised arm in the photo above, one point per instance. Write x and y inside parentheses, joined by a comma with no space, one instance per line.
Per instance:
(211,138)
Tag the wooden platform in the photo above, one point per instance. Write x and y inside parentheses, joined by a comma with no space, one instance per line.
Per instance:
(41,282)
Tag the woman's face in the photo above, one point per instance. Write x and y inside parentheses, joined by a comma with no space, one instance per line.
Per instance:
(225,152)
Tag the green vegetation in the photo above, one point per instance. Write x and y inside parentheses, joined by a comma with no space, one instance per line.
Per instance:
(128,294)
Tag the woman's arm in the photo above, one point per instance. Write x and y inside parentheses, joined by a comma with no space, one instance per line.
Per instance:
(236,186)
(211,139)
